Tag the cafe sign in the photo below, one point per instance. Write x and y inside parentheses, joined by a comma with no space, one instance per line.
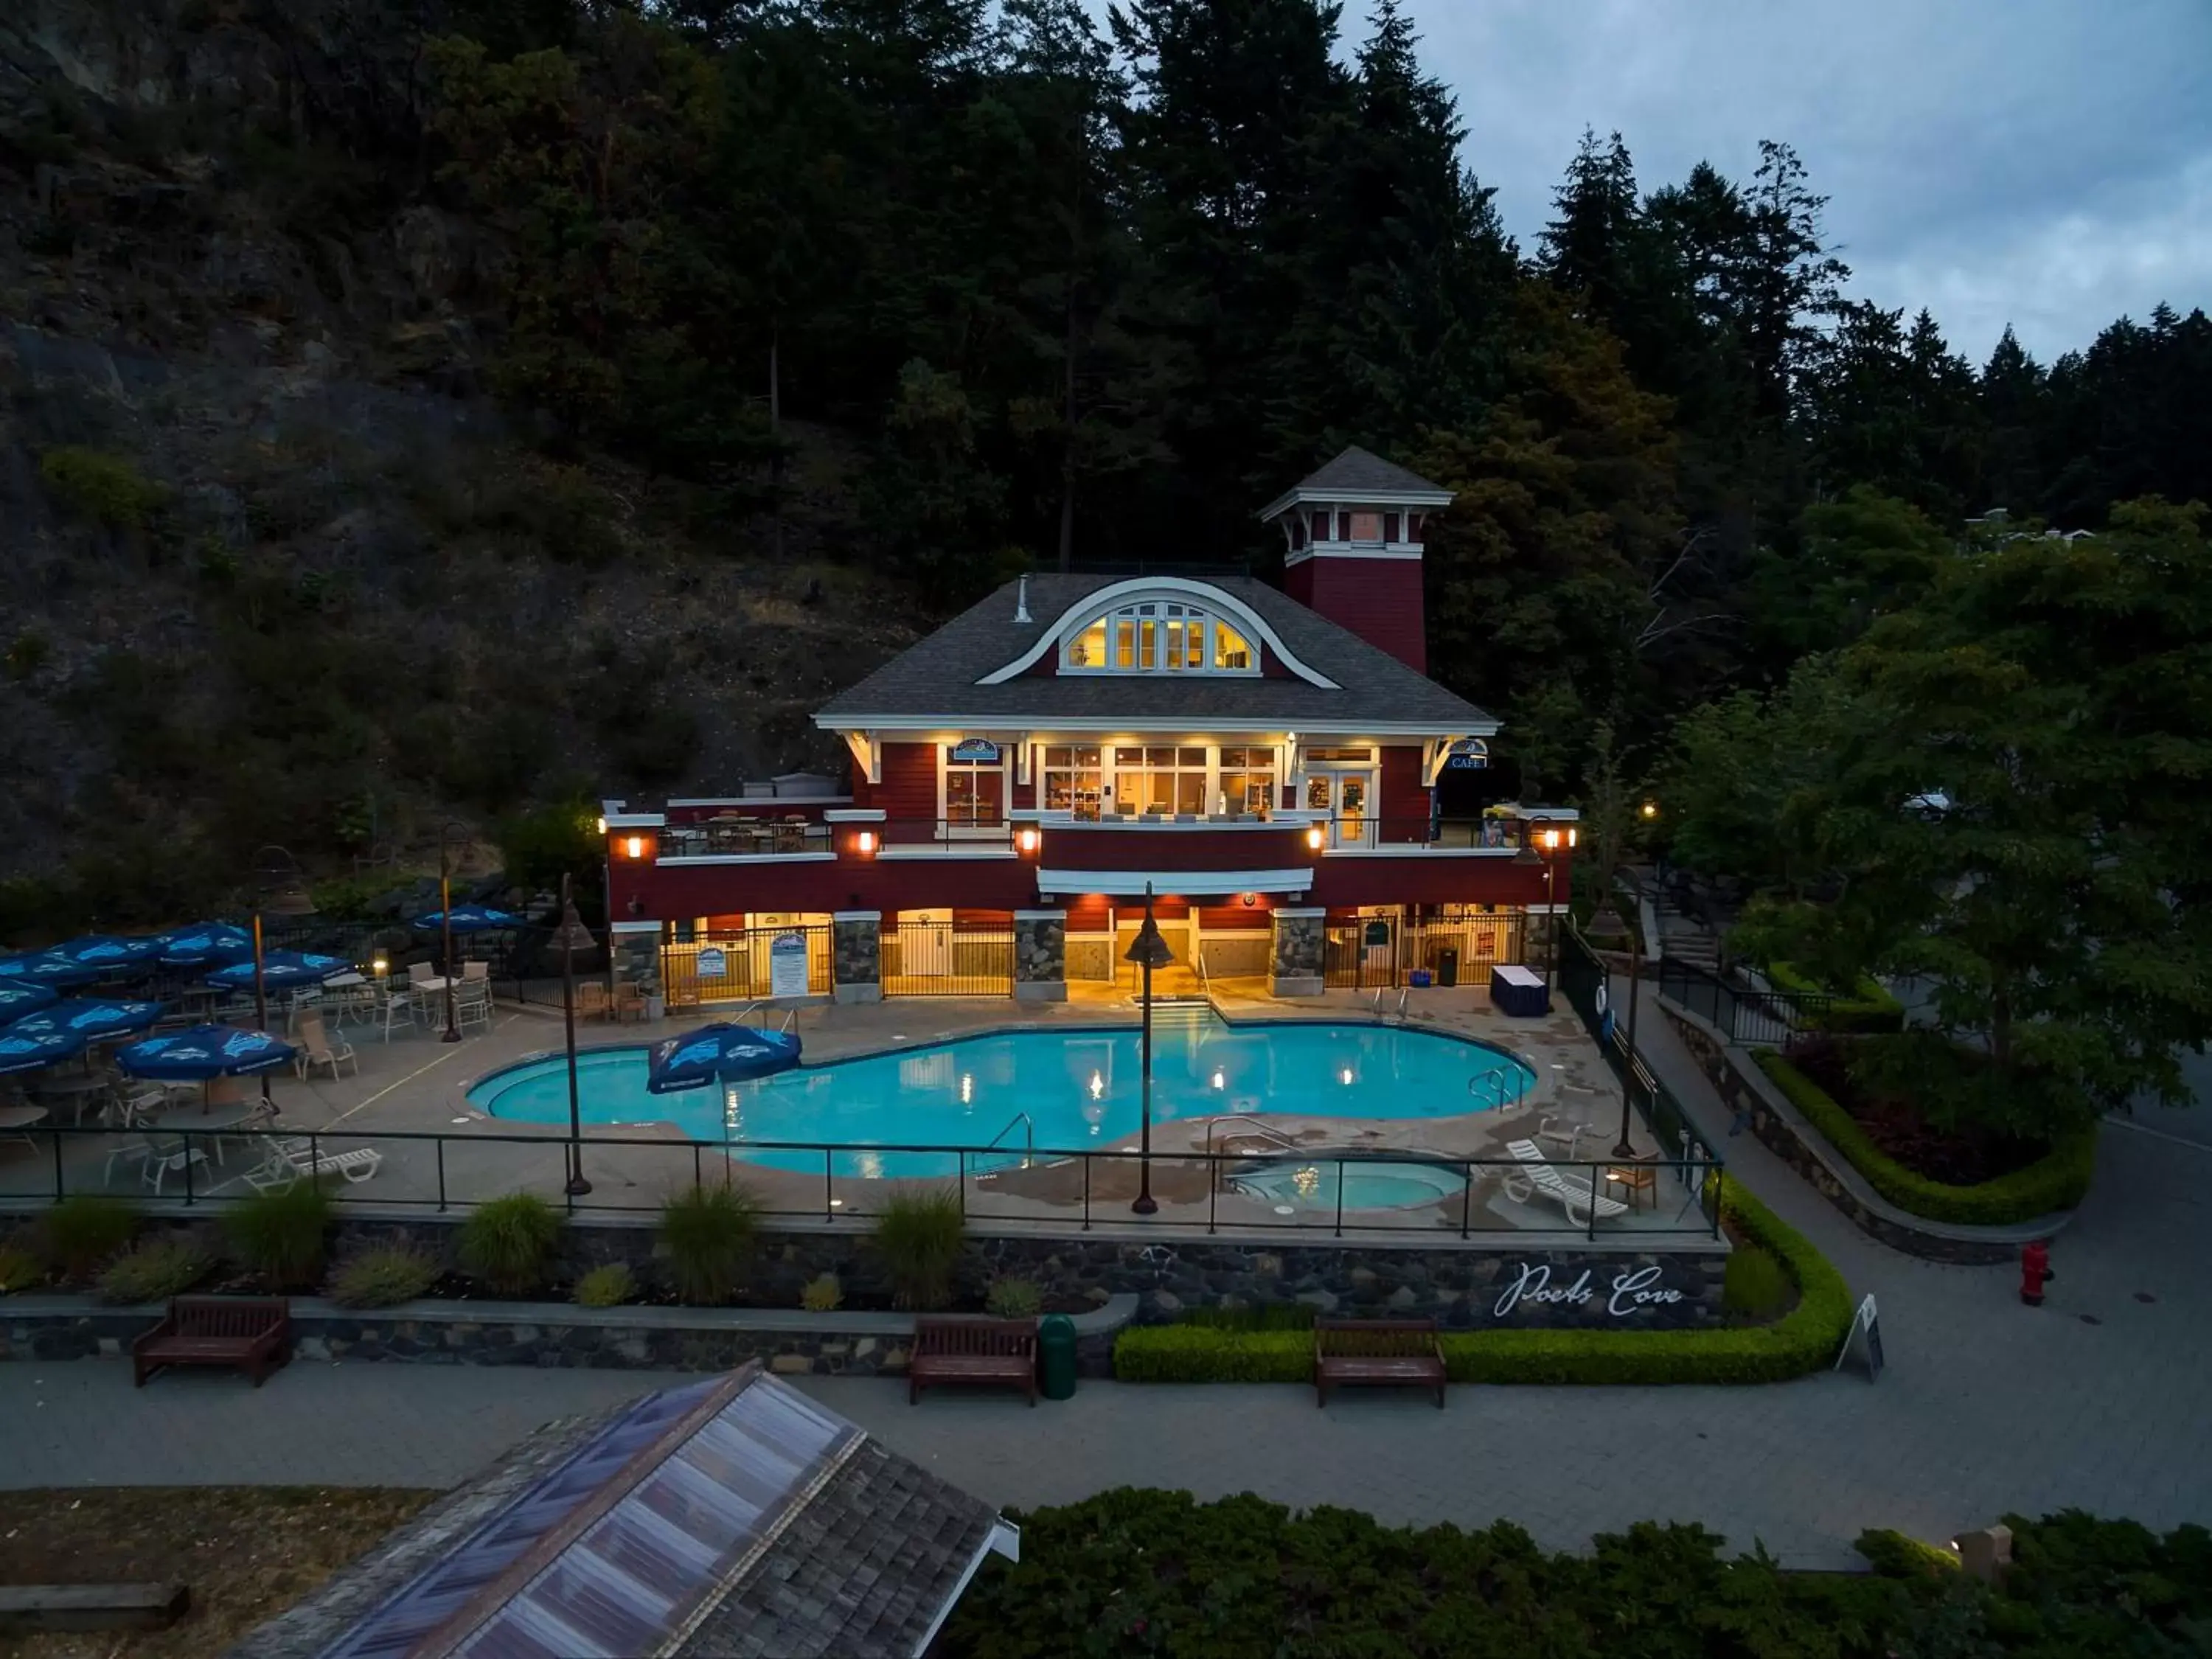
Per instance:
(1630,1292)
(979,750)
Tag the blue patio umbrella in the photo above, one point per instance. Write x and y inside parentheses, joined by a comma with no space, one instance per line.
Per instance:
(107,953)
(94,1020)
(47,967)
(281,970)
(718,1054)
(204,1052)
(469,919)
(207,942)
(29,1052)
(17,999)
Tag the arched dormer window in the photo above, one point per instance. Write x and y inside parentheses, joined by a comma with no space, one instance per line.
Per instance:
(1158,636)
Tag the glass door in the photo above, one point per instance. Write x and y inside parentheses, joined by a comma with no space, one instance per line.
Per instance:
(1344,796)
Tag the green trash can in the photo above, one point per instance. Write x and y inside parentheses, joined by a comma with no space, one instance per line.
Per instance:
(1056,1356)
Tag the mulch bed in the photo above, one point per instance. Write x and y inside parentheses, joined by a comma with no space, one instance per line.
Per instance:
(1964,1156)
(248,1554)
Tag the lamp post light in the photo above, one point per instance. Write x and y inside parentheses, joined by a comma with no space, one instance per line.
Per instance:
(1148,950)
(277,891)
(452,1032)
(1647,812)
(568,936)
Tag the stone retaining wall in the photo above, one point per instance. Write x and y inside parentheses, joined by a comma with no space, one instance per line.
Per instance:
(1752,1097)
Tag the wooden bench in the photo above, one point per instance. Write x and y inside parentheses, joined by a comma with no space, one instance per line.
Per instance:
(1377,1351)
(252,1334)
(974,1351)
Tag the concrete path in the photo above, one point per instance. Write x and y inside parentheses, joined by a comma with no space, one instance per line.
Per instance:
(1986,1406)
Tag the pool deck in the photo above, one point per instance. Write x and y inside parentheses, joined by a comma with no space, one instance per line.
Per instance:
(414,1083)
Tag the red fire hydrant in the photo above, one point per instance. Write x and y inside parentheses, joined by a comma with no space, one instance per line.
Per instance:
(2034,1273)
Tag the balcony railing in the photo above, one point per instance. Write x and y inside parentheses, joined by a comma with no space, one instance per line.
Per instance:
(746,838)
(1461,836)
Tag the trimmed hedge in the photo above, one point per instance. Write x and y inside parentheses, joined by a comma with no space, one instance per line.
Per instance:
(1870,1009)
(2055,1181)
(1804,1339)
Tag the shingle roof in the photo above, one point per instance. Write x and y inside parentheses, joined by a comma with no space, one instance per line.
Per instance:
(937,677)
(1355,469)
(732,1516)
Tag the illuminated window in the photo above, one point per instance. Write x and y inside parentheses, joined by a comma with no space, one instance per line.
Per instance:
(1159,780)
(975,790)
(1159,636)
(1248,779)
(1072,778)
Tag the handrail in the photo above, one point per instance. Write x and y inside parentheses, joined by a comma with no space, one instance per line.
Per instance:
(1029,1138)
(1205,980)
(1268,1130)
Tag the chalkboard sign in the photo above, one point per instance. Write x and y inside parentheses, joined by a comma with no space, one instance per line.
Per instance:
(1865,1334)
(1378,935)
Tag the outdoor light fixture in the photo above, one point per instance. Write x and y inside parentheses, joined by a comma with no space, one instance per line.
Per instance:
(1649,811)
(381,966)
(865,841)
(1550,841)
(1314,838)
(633,847)
(1028,840)
(603,823)
(1148,950)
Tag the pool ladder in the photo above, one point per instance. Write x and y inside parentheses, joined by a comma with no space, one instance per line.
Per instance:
(1272,1134)
(1493,1083)
(1374,1006)
(1028,1142)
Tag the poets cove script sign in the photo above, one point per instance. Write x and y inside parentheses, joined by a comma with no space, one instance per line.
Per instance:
(1636,1291)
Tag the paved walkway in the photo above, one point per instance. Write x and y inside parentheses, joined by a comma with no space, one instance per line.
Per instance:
(1986,1406)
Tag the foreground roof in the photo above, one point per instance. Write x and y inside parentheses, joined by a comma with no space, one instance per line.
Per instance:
(938,678)
(730,1517)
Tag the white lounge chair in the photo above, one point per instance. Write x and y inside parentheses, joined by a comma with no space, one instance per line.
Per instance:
(292,1160)
(1573,1194)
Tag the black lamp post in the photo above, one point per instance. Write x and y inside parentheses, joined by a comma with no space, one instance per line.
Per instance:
(1648,811)
(1148,950)
(570,936)
(277,891)
(452,1032)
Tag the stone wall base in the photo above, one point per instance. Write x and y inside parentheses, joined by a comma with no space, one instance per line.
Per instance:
(859,993)
(1300,985)
(1040,990)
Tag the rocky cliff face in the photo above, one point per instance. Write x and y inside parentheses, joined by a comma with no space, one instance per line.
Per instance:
(276,566)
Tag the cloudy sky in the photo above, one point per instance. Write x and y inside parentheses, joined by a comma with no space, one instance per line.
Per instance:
(2044,162)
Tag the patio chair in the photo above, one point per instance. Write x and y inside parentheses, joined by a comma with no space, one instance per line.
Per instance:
(1571,1193)
(396,1007)
(629,1000)
(319,1047)
(472,1003)
(591,1000)
(292,1160)
(1563,1132)
(163,1157)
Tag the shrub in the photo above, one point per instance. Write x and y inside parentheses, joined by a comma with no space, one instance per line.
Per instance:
(1869,1008)
(920,1235)
(708,1233)
(1804,1339)
(1013,1298)
(79,1233)
(508,1243)
(28,654)
(19,1269)
(822,1294)
(280,1234)
(2055,1181)
(154,1271)
(605,1288)
(94,484)
(1892,1555)
(383,1277)
(1755,1286)
(1267,1317)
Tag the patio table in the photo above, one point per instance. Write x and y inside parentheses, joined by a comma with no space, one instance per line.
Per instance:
(17,1122)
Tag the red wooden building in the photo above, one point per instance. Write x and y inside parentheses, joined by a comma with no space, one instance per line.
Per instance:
(1269,762)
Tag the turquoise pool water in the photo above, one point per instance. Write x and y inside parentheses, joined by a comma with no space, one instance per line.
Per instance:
(1080,1087)
(1311,1183)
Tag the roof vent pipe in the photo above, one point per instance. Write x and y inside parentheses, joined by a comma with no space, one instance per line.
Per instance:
(1022,601)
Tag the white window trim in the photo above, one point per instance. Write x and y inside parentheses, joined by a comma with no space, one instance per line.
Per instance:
(1196,614)
(951,831)
(1087,611)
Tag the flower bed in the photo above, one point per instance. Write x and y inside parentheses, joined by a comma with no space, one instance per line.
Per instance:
(1804,1339)
(2051,1183)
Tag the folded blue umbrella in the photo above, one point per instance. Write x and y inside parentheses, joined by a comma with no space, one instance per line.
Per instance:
(96,1021)
(204,1052)
(469,919)
(207,942)
(281,970)
(718,1054)
(107,952)
(49,969)
(29,1052)
(17,999)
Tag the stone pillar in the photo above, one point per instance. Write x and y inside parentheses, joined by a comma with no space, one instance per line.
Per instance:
(857,955)
(1040,955)
(636,953)
(1296,965)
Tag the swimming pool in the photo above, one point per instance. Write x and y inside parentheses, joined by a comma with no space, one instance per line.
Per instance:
(1080,1087)
(1310,1183)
